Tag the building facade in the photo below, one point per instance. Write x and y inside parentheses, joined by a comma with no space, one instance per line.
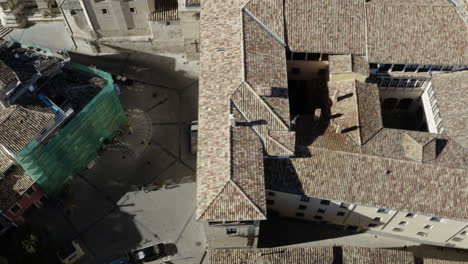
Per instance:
(133,26)
(17,13)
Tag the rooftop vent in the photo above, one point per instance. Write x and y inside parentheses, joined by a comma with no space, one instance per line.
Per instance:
(422,149)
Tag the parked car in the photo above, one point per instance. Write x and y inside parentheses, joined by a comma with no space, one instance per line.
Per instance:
(71,253)
(193,137)
(148,254)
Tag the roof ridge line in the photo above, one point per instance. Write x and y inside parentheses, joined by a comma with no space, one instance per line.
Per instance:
(386,158)
(249,87)
(7,116)
(357,109)
(246,196)
(279,143)
(263,26)
(214,199)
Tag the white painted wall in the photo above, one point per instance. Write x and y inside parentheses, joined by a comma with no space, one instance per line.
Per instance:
(366,217)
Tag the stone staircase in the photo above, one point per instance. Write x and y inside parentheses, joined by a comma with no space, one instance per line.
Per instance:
(263,119)
(4,31)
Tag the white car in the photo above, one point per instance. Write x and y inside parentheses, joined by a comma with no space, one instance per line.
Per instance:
(193,137)
(71,253)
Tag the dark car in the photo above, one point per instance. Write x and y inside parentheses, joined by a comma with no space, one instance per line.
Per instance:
(147,254)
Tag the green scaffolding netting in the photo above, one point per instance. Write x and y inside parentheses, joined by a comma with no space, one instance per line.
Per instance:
(69,152)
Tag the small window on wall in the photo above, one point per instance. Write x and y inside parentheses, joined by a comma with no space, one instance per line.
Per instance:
(351,227)
(325,202)
(385,82)
(321,211)
(15,208)
(398,229)
(447,68)
(305,199)
(231,231)
(105,11)
(411,68)
(383,211)
(302,207)
(403,223)
(398,67)
(318,217)
(341,214)
(436,68)
(132,10)
(410,215)
(377,219)
(394,83)
(464,233)
(422,234)
(428,227)
(435,219)
(424,68)
(30,191)
(457,239)
(372,225)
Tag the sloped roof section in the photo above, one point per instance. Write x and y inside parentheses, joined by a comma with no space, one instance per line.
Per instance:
(232,204)
(356,109)
(221,73)
(7,75)
(20,126)
(15,183)
(317,255)
(354,255)
(416,34)
(270,14)
(243,195)
(451,92)
(336,175)
(326,26)
(263,118)
(265,58)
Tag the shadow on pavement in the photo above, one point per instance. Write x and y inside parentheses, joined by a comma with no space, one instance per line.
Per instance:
(282,231)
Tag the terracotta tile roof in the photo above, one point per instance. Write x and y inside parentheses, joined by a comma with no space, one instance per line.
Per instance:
(317,255)
(270,14)
(19,126)
(221,73)
(331,26)
(416,34)
(252,106)
(356,255)
(450,90)
(314,255)
(388,143)
(7,75)
(442,261)
(356,109)
(265,59)
(412,2)
(12,185)
(243,195)
(336,175)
